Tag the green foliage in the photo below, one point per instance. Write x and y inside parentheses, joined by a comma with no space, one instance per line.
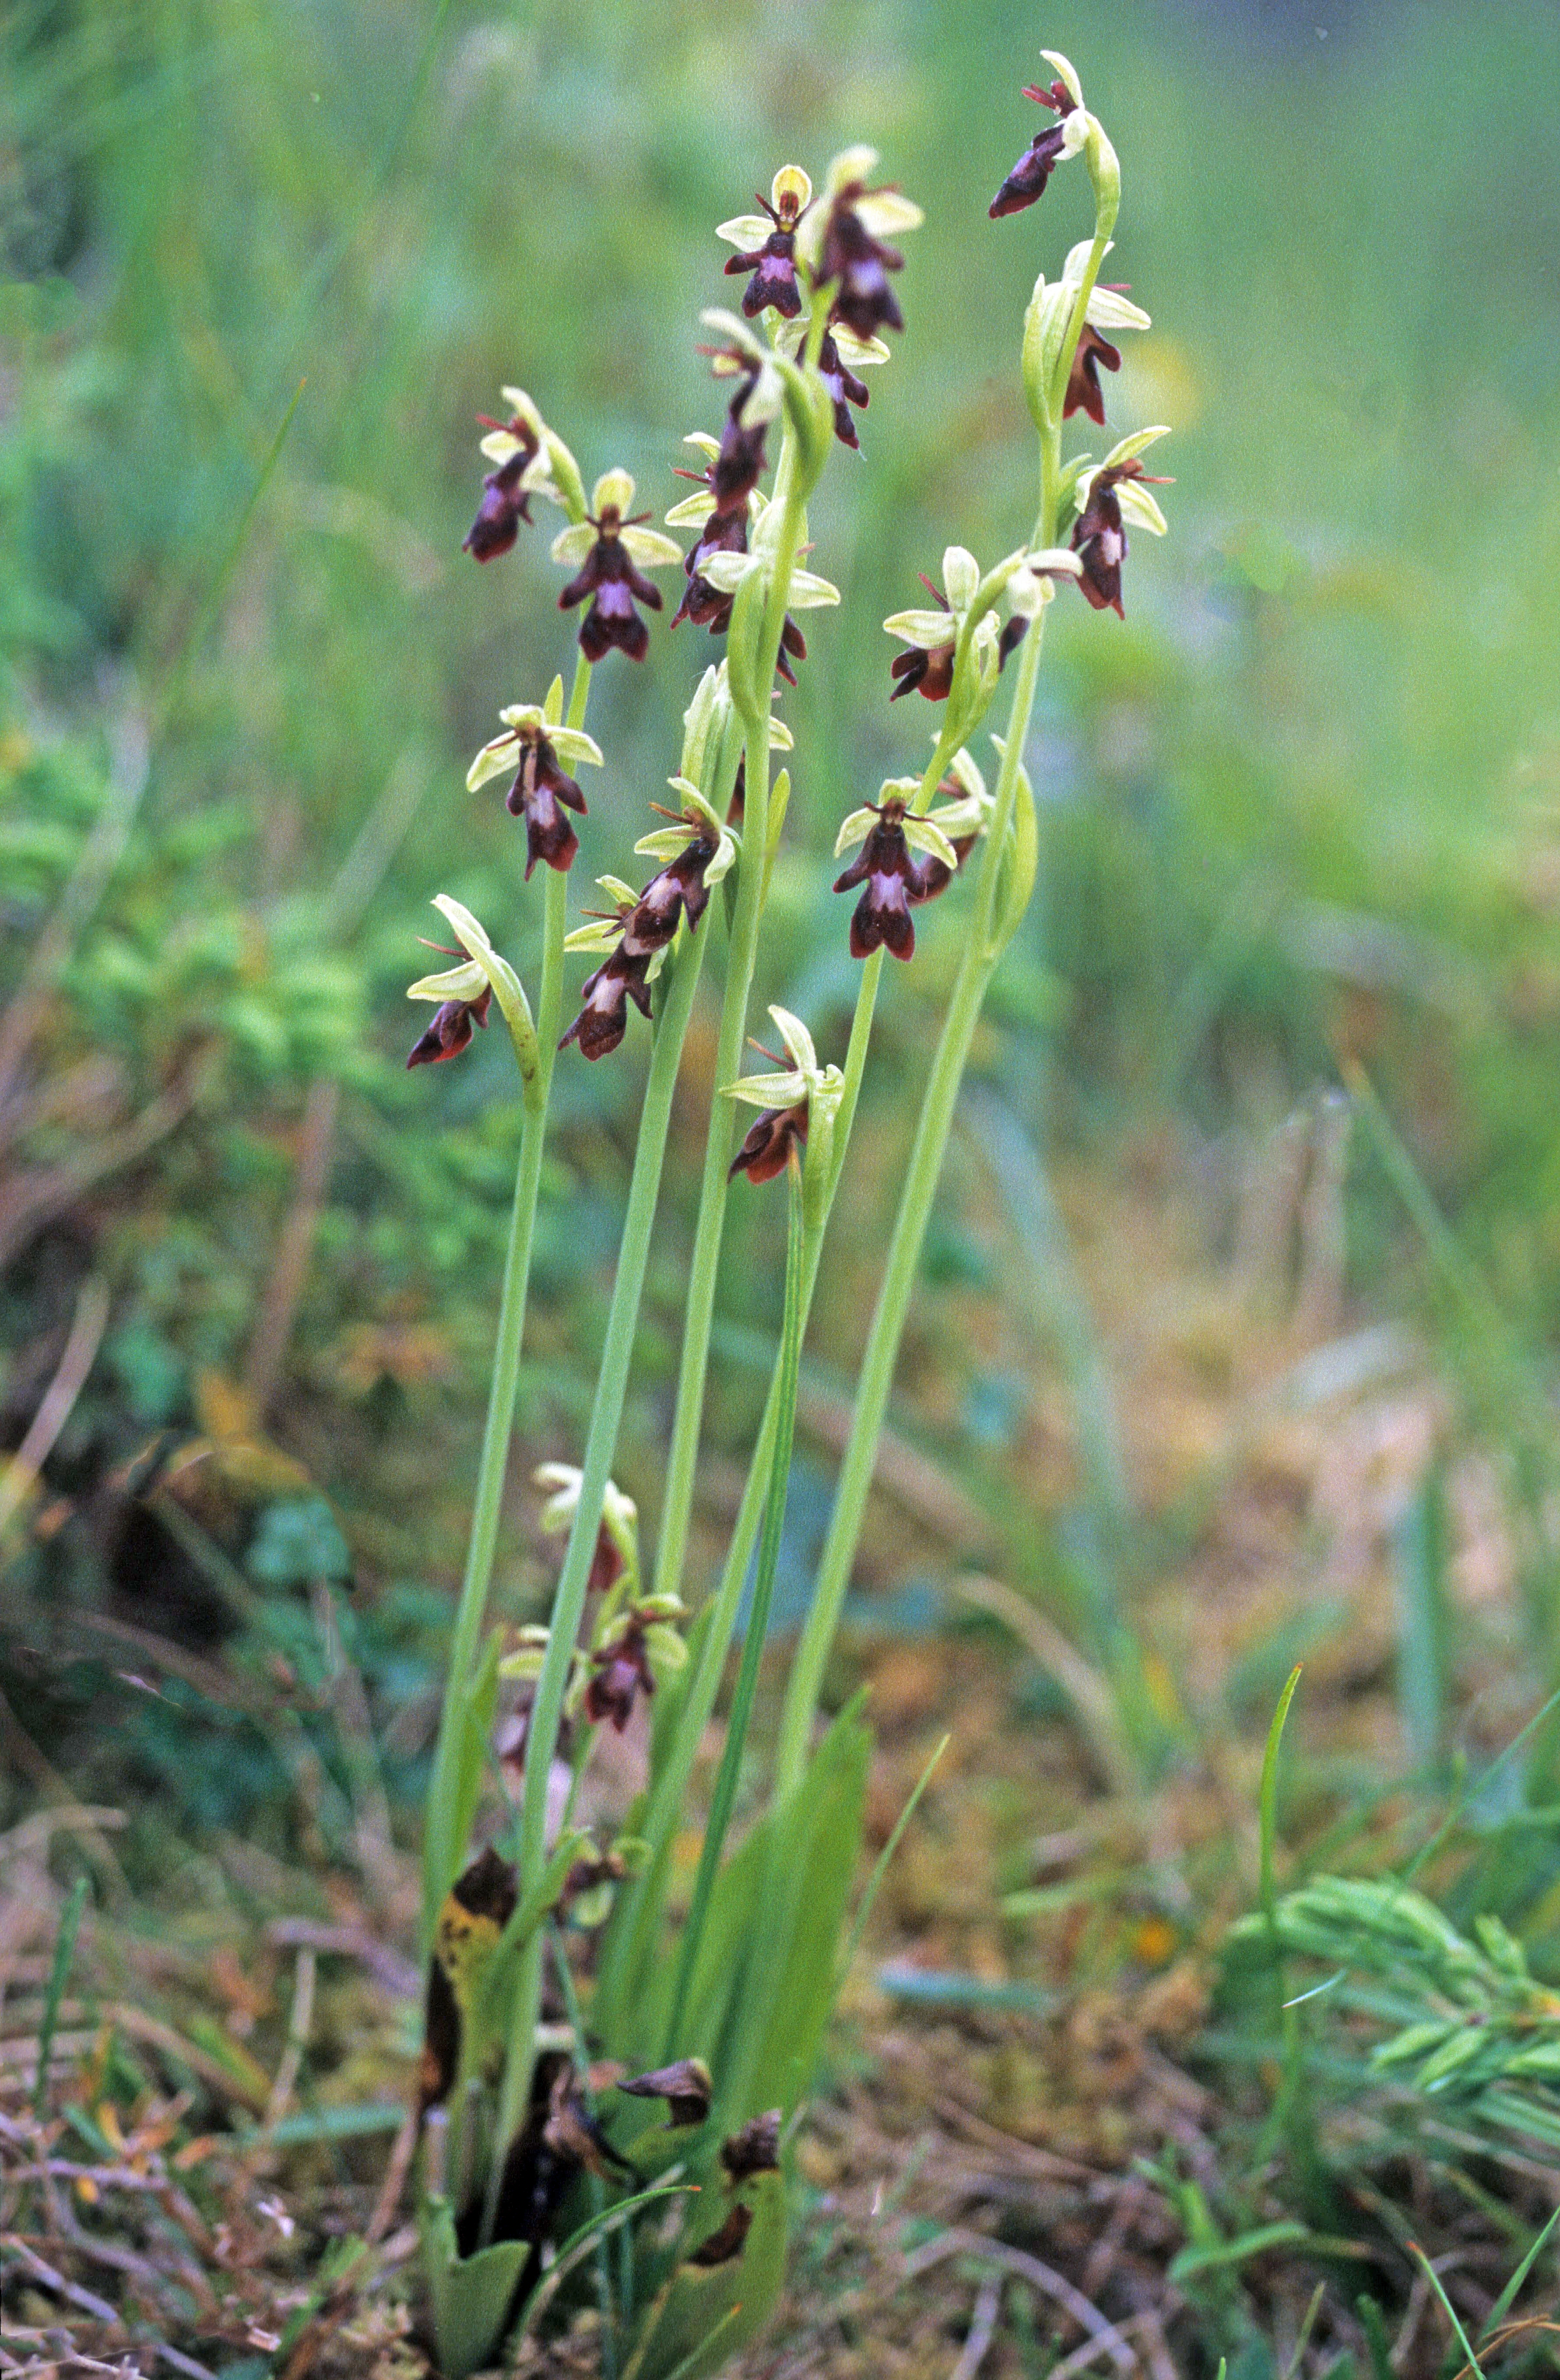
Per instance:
(470,2294)
(1460,2020)
(703,2315)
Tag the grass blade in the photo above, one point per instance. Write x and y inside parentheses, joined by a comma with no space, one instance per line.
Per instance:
(1424,1623)
(725,1793)
(880,1870)
(1507,2296)
(59,1972)
(1268,1804)
(1433,2277)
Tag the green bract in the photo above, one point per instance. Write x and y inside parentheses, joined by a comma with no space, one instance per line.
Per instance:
(803,1079)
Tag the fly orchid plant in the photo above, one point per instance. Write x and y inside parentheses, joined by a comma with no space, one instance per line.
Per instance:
(570,1980)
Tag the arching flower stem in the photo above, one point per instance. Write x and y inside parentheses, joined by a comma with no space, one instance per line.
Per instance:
(752,883)
(987,940)
(638,1916)
(682,977)
(443,1848)
(722,1800)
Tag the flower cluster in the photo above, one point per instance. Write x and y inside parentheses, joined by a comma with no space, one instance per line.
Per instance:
(841,239)
(734,544)
(931,663)
(890,834)
(462,993)
(927,667)
(633,1640)
(535,745)
(844,242)
(708,604)
(1050,145)
(697,851)
(449,1030)
(610,544)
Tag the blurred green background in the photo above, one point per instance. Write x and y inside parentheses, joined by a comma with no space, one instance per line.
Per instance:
(1302,808)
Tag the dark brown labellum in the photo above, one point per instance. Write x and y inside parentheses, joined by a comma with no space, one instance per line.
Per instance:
(770,1140)
(1084,393)
(450,1029)
(727,2242)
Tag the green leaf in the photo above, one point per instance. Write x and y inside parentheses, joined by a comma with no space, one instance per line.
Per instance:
(1020,859)
(1424,1622)
(707,2314)
(788,1981)
(1223,2253)
(742,648)
(472,2295)
(449,1826)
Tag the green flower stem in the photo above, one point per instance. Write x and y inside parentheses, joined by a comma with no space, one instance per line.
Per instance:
(980,956)
(442,1853)
(725,1795)
(676,1505)
(611,1388)
(600,1446)
(642,1902)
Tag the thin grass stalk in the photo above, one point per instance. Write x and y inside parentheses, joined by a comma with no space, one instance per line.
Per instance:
(981,953)
(442,1853)
(683,970)
(725,1795)
(676,1506)
(1291,2119)
(903,1253)
(53,1995)
(594,2186)
(642,1900)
